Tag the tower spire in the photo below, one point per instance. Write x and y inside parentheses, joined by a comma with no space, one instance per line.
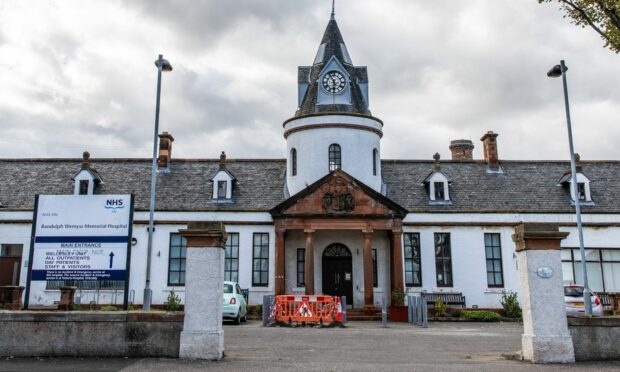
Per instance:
(333,9)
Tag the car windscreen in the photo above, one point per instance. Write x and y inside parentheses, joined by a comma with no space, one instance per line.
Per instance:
(573,291)
(228,288)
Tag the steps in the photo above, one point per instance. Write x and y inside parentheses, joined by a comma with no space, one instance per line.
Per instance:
(358,314)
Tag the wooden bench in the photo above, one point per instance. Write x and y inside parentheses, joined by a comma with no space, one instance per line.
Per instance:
(446,298)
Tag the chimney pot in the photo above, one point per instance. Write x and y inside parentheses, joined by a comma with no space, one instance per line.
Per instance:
(489,143)
(165,150)
(462,149)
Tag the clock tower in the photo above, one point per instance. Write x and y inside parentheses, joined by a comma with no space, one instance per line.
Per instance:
(332,127)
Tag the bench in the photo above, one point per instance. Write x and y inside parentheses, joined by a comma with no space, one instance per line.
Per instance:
(446,298)
(606,299)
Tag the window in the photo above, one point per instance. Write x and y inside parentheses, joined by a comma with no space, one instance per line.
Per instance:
(335,161)
(231,258)
(293,162)
(301,267)
(603,267)
(493,252)
(260,258)
(443,260)
(221,189)
(440,193)
(375,158)
(413,267)
(375,279)
(581,189)
(84,187)
(176,260)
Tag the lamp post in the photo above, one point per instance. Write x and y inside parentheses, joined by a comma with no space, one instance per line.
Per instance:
(162,65)
(557,71)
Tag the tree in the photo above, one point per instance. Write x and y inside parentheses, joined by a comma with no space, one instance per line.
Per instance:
(603,16)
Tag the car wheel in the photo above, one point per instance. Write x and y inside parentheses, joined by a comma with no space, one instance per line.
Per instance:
(238,318)
(245,318)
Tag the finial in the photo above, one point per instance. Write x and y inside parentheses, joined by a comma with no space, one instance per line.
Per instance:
(333,9)
(223,161)
(85,160)
(436,166)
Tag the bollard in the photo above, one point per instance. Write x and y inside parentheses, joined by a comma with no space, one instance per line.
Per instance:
(424,314)
(384,312)
(414,310)
(343,301)
(267,301)
(409,314)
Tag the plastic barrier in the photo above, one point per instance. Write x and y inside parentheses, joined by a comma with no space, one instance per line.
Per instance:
(323,310)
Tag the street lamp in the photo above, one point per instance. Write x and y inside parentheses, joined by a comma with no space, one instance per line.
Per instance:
(557,71)
(162,65)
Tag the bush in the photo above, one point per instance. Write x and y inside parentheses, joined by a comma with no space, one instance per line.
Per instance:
(173,302)
(481,316)
(258,310)
(510,303)
(108,308)
(398,297)
(440,308)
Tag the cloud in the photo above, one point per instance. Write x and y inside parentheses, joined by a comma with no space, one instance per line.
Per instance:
(80,75)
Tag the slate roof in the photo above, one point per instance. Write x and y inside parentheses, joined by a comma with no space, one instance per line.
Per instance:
(332,38)
(524,187)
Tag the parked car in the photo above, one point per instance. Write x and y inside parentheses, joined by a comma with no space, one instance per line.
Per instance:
(575,305)
(235,305)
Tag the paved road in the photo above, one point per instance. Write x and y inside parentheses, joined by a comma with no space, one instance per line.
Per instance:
(363,346)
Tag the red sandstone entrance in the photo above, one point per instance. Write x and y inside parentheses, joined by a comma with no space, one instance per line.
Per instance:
(340,202)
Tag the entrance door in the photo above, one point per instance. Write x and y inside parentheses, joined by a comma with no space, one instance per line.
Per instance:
(10,263)
(338,272)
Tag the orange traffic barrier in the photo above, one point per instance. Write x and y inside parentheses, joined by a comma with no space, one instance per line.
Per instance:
(323,310)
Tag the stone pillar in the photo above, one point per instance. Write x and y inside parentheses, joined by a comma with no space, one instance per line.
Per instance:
(397,260)
(309,262)
(368,289)
(280,274)
(202,336)
(545,331)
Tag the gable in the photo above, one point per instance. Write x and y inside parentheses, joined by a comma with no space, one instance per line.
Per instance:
(338,194)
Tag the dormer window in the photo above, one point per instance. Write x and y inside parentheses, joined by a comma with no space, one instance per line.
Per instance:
(87,178)
(583,187)
(84,187)
(437,184)
(222,183)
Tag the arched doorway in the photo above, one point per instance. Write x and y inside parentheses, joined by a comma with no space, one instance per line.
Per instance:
(338,271)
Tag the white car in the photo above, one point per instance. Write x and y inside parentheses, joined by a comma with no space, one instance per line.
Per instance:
(575,306)
(235,306)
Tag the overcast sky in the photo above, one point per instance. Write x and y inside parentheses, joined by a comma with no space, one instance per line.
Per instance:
(78,75)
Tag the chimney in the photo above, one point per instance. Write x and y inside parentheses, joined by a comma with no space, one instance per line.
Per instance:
(165,150)
(489,143)
(223,161)
(462,149)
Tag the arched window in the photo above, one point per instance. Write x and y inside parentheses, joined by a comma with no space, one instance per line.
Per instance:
(335,161)
(375,159)
(293,162)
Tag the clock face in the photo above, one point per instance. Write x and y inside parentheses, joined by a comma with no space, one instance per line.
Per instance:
(333,82)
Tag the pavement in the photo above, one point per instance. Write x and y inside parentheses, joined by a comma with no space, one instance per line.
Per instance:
(362,346)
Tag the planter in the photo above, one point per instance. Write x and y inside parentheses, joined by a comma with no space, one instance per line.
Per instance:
(398,314)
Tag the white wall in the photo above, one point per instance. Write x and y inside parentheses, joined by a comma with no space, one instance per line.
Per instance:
(467,243)
(313,150)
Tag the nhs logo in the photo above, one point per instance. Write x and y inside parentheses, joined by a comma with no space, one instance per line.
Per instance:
(114,204)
